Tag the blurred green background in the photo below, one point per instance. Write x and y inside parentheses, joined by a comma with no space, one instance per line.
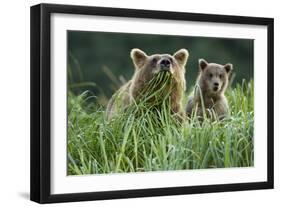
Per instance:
(100,61)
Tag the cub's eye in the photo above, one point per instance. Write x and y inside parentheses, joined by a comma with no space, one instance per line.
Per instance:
(210,75)
(220,76)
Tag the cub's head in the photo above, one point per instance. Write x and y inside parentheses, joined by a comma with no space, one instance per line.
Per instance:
(214,77)
(149,65)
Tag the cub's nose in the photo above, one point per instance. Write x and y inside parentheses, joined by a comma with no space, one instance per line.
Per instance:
(165,63)
(216,84)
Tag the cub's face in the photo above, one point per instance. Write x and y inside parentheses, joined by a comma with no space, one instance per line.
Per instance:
(214,76)
(148,66)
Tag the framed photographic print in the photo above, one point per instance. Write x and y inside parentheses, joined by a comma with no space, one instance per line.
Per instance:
(132,103)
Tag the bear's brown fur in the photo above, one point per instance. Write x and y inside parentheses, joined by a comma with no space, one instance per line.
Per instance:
(146,67)
(211,84)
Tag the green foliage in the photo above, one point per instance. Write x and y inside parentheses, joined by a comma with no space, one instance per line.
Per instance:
(104,57)
(150,139)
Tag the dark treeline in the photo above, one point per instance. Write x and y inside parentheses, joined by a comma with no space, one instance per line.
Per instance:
(100,61)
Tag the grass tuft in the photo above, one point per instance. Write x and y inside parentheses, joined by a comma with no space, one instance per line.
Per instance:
(145,137)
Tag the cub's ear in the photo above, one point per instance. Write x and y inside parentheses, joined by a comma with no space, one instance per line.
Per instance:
(203,64)
(181,56)
(139,57)
(228,67)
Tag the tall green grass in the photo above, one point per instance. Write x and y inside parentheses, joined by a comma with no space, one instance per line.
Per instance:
(146,137)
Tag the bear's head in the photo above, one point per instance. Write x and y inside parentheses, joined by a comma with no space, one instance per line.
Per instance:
(147,66)
(214,77)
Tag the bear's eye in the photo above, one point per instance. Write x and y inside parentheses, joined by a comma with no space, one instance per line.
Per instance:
(154,60)
(220,76)
(210,75)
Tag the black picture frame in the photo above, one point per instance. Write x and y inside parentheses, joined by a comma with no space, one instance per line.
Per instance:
(41,102)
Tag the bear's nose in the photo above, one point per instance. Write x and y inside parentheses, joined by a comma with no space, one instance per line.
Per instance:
(165,63)
(216,84)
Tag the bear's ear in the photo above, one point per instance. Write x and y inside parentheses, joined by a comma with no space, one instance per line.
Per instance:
(203,64)
(228,67)
(139,57)
(181,56)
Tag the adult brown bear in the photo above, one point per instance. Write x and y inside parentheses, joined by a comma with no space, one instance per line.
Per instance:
(146,68)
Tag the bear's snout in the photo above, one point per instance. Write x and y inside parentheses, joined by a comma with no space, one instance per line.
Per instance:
(165,64)
(216,86)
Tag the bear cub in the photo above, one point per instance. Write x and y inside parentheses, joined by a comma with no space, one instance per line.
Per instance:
(211,84)
(147,67)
